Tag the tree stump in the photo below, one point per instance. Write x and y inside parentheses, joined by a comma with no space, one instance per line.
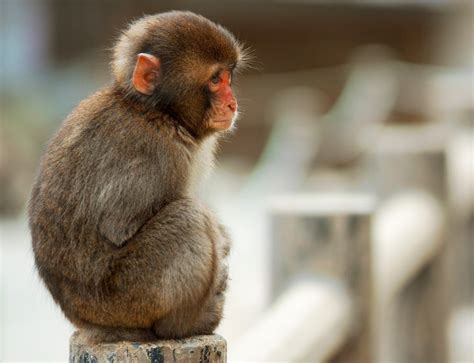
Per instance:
(197,349)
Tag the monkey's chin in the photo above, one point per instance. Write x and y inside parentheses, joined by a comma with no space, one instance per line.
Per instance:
(222,125)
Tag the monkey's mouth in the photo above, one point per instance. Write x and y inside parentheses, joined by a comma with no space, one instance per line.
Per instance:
(223,124)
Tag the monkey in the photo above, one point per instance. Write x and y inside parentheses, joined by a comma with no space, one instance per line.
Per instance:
(120,236)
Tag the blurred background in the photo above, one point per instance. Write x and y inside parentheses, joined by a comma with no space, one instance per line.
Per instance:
(348,186)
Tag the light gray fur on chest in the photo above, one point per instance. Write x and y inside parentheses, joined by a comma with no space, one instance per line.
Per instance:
(202,164)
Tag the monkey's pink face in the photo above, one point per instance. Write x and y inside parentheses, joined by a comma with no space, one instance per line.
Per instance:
(222,110)
(224,105)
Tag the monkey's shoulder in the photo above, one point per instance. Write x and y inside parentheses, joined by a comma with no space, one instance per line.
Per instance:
(100,143)
(103,124)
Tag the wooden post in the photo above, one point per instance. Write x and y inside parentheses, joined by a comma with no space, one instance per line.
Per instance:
(328,235)
(197,349)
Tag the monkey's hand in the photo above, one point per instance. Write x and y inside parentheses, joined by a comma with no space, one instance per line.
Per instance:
(222,240)
(127,200)
(212,309)
(225,241)
(220,234)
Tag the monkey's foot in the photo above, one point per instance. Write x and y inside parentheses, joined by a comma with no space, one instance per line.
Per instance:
(201,348)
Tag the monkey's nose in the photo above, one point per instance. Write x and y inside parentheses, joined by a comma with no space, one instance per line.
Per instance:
(232,105)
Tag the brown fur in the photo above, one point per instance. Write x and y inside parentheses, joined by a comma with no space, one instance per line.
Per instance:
(119,235)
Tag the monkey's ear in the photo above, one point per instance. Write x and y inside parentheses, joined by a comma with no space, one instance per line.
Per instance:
(145,74)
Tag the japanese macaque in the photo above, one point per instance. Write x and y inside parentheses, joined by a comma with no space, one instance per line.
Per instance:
(119,235)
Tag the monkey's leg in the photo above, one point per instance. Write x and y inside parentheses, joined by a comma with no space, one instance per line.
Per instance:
(181,322)
(94,334)
(171,265)
(205,320)
(208,314)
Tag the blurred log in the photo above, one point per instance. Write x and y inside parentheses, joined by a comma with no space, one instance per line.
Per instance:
(310,321)
(407,233)
(328,235)
(197,349)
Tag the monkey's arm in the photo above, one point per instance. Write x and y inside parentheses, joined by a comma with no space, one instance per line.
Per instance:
(134,174)
(127,199)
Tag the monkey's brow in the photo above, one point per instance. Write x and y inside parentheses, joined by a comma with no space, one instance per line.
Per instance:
(222,67)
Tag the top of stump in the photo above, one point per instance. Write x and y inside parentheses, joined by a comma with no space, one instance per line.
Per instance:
(196,349)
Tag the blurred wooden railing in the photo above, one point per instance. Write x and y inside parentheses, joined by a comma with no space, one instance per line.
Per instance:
(361,277)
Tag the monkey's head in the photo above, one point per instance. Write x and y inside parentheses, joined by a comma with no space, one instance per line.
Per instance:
(182,64)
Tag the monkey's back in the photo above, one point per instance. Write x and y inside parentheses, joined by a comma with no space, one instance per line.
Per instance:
(104,174)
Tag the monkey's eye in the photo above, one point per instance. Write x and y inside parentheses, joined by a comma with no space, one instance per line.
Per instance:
(216,78)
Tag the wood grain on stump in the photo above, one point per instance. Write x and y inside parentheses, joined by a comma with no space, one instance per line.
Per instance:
(197,349)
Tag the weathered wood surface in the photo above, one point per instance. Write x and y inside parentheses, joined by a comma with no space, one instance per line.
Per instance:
(197,349)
